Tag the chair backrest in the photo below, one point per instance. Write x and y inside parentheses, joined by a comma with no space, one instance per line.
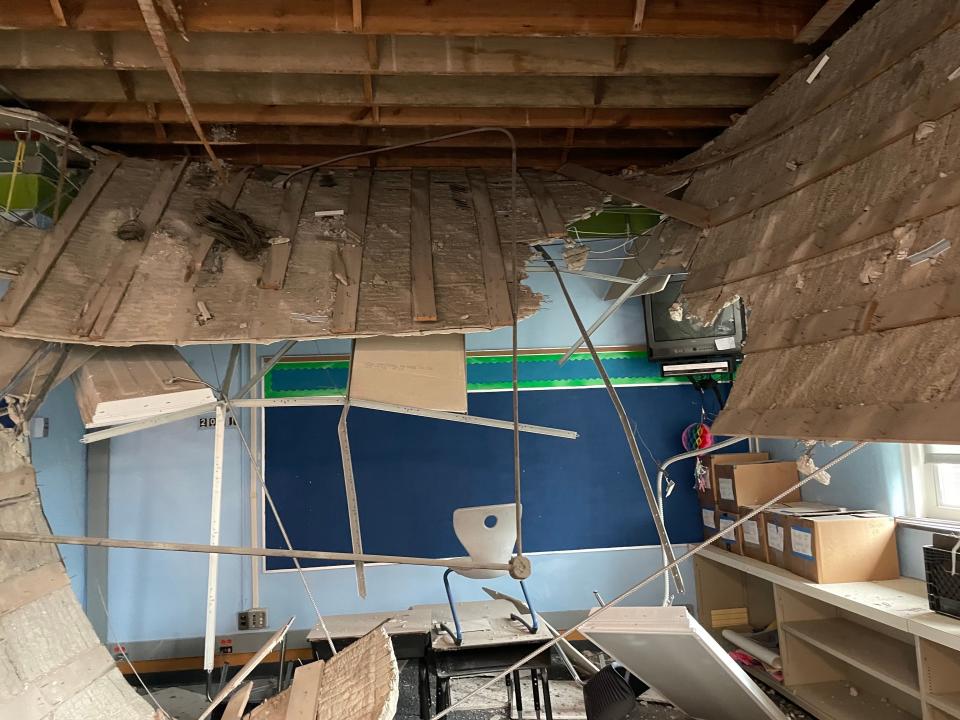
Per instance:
(488,532)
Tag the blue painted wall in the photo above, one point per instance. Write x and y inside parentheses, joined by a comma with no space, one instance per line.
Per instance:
(60,461)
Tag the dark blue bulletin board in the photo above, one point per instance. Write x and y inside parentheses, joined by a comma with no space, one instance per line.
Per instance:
(412,473)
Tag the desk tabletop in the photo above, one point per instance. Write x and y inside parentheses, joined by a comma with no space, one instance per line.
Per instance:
(402,622)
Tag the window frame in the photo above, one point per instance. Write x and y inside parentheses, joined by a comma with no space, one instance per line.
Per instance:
(922,465)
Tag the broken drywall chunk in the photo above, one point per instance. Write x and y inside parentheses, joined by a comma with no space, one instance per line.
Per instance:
(675,312)
(905,235)
(873,269)
(575,255)
(807,466)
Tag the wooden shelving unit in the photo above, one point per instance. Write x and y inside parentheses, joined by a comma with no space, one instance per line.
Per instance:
(850,651)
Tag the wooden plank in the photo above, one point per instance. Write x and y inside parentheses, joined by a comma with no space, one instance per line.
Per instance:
(22,289)
(23,589)
(494,276)
(228,196)
(313,114)
(917,203)
(106,300)
(553,223)
(238,703)
(812,329)
(687,212)
(345,303)
(305,692)
(725,18)
(421,248)
(278,256)
(833,159)
(822,21)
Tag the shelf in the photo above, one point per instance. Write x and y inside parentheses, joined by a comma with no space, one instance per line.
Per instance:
(833,700)
(900,604)
(885,658)
(947,702)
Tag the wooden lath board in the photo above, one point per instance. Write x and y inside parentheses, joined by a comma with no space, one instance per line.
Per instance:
(305,692)
(498,297)
(22,289)
(109,294)
(421,248)
(278,256)
(826,16)
(351,254)
(553,223)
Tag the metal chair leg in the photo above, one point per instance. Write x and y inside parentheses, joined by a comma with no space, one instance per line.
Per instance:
(423,688)
(533,626)
(534,672)
(458,636)
(547,702)
(517,692)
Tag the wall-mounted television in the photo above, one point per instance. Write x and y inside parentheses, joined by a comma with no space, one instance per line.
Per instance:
(671,339)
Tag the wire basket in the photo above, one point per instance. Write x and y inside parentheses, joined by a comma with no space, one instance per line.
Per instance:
(943,587)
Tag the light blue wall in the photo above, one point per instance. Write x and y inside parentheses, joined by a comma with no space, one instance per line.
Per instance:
(60,461)
(871,479)
(160,489)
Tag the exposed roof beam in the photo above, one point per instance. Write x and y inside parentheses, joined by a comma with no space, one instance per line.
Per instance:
(639,10)
(422,90)
(400,116)
(824,19)
(159,38)
(106,133)
(547,159)
(352,54)
(666,18)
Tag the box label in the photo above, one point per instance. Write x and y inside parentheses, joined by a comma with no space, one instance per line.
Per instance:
(726,522)
(775,536)
(725,486)
(801,543)
(751,532)
(709,519)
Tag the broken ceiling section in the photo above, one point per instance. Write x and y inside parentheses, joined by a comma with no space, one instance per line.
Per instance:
(346,254)
(834,215)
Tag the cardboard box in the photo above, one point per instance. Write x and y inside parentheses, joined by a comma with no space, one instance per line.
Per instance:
(423,371)
(708,495)
(709,521)
(843,547)
(775,527)
(754,483)
(729,540)
(752,535)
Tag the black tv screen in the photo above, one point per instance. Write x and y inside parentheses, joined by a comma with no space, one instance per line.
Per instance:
(668,337)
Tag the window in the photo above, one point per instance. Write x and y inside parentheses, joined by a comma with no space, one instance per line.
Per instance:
(936,480)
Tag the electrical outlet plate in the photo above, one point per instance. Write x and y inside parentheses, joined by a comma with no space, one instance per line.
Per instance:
(252,619)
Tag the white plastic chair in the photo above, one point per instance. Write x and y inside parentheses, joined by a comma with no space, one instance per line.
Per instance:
(488,534)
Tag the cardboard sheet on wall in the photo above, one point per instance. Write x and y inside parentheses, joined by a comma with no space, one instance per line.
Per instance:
(427,372)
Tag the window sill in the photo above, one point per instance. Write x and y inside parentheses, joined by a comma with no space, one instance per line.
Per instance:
(951,527)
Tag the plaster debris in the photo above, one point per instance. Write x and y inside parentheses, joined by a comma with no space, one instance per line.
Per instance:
(954,75)
(853,691)
(279,240)
(328,213)
(905,235)
(377,280)
(800,282)
(576,255)
(872,270)
(924,130)
(203,313)
(792,165)
(817,69)
(676,312)
(807,466)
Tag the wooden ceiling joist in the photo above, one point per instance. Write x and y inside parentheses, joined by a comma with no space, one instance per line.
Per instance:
(665,18)
(826,16)
(390,90)
(101,133)
(399,116)
(392,55)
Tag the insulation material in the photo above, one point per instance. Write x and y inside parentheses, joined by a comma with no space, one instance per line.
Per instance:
(428,372)
(125,384)
(669,650)
(160,306)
